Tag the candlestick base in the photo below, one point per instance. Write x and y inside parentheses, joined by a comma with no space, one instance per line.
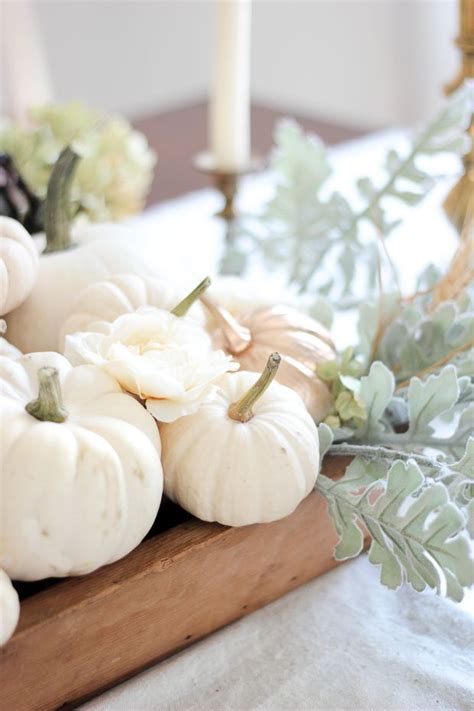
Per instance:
(226,181)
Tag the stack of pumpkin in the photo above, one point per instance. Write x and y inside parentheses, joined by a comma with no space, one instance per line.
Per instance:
(127,388)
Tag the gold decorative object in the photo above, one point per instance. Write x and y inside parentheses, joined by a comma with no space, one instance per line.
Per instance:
(227,182)
(459,204)
(459,275)
(301,341)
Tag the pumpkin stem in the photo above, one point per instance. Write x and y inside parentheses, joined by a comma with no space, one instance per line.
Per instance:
(48,406)
(58,202)
(242,409)
(237,337)
(183,307)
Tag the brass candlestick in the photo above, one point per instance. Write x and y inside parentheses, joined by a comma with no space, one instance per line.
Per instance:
(459,205)
(226,182)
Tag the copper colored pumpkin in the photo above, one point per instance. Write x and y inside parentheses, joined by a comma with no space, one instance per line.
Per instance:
(302,342)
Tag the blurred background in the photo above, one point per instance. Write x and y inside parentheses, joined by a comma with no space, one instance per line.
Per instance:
(340,68)
(366,64)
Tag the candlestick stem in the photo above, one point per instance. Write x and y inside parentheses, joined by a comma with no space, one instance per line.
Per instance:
(226,181)
(227,184)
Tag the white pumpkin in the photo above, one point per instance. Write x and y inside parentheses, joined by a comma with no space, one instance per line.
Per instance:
(65,267)
(248,456)
(18,264)
(9,608)
(302,342)
(103,302)
(6,348)
(238,295)
(80,473)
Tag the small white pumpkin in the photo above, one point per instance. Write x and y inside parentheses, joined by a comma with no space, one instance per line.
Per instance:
(248,456)
(66,267)
(18,264)
(6,348)
(103,302)
(80,472)
(239,295)
(9,608)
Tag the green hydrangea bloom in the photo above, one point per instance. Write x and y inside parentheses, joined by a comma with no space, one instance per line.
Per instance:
(116,171)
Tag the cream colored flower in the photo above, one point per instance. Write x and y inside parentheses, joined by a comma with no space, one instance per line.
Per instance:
(166,360)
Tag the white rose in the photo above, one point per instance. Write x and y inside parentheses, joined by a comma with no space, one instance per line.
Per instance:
(166,360)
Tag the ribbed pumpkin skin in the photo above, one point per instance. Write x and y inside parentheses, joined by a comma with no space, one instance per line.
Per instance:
(104,301)
(302,343)
(18,264)
(99,252)
(78,494)
(242,473)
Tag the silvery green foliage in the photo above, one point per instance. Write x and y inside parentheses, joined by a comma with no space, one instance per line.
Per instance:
(417,533)
(410,484)
(426,402)
(302,227)
(326,439)
(416,339)
(459,480)
(413,491)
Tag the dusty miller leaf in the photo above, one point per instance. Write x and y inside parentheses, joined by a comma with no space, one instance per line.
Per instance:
(417,533)
(459,480)
(417,340)
(428,399)
(376,391)
(302,227)
(325,439)
(299,159)
(359,475)
(422,543)
(426,402)
(322,311)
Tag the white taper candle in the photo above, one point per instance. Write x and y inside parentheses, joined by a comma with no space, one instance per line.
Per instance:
(229,116)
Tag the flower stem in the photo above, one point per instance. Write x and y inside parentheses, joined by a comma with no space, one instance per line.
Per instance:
(183,307)
(437,364)
(58,202)
(48,406)
(375,452)
(237,337)
(242,409)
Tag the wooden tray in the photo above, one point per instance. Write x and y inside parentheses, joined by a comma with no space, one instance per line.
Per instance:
(83,635)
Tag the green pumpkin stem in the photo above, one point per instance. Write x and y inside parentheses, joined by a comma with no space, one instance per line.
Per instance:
(242,409)
(237,337)
(48,406)
(183,307)
(58,202)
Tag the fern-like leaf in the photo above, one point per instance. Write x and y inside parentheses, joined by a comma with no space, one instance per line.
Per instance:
(417,533)
(303,226)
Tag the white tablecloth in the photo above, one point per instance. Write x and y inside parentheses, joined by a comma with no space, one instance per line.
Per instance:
(341,641)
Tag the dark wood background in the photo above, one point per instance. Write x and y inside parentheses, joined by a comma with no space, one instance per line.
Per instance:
(177,136)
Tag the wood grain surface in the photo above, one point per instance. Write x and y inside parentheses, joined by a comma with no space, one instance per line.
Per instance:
(86,634)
